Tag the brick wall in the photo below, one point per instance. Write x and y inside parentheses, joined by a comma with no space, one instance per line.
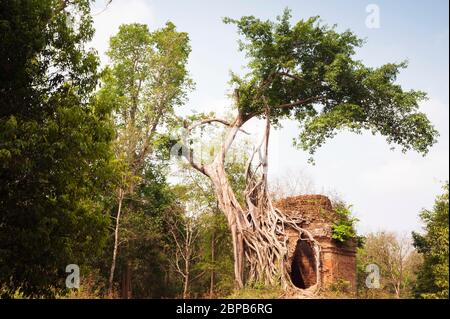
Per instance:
(338,260)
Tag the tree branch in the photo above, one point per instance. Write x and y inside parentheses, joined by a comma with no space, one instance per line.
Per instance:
(213,120)
(297,103)
(295,77)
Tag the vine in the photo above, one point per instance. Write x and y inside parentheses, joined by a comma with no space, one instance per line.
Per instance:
(343,228)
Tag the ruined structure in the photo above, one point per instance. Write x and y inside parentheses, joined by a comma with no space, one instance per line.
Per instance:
(338,260)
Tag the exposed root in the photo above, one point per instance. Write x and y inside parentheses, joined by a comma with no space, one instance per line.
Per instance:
(266,241)
(259,230)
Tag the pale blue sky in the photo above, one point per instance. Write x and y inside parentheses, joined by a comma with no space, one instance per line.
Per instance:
(387,188)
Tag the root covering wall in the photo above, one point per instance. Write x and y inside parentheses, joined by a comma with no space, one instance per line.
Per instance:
(338,259)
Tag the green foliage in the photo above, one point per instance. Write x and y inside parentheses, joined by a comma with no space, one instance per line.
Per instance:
(307,71)
(57,166)
(56,161)
(340,286)
(216,257)
(144,230)
(432,280)
(397,262)
(343,228)
(146,80)
(214,241)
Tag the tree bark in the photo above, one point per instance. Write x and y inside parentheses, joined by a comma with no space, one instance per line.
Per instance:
(187,261)
(234,213)
(116,245)
(186,286)
(126,282)
(258,231)
(213,265)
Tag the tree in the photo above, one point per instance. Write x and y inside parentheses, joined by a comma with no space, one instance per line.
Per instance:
(214,238)
(432,279)
(144,230)
(214,242)
(146,81)
(55,146)
(291,183)
(185,232)
(304,72)
(143,260)
(396,259)
(217,254)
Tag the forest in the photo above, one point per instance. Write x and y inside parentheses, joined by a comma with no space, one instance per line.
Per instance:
(107,190)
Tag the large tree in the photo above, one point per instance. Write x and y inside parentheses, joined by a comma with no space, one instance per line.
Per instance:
(306,72)
(146,80)
(55,143)
(432,281)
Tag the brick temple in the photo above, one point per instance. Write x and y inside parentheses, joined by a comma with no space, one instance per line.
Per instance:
(338,259)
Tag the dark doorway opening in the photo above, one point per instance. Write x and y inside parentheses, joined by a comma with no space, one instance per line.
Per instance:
(303,267)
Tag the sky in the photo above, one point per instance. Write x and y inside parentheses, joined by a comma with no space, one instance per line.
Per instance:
(386,188)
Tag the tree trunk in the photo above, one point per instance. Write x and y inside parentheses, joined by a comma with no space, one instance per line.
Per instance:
(186,287)
(123,293)
(126,281)
(116,245)
(187,260)
(186,268)
(213,265)
(258,231)
(234,214)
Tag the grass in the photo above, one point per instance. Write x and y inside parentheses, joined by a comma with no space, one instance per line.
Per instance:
(257,293)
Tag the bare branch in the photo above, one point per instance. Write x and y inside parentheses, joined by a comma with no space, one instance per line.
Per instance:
(213,120)
(199,275)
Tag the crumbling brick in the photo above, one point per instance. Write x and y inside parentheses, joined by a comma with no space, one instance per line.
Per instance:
(338,260)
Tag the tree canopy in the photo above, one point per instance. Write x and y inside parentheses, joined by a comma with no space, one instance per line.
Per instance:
(433,274)
(307,72)
(86,176)
(55,155)
(146,81)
